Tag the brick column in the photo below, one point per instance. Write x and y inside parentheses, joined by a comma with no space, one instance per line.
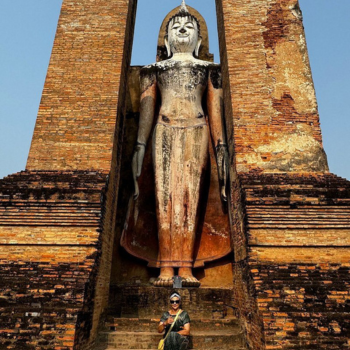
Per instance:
(290,272)
(57,219)
(78,110)
(266,67)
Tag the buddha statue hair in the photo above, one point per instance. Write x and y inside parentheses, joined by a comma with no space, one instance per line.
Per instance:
(183,12)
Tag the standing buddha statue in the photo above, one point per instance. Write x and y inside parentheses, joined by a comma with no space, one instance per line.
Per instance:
(180,141)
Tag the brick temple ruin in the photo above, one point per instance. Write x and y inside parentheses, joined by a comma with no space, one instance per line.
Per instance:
(65,282)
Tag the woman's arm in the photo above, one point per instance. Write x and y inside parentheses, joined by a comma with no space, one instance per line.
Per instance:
(164,323)
(186,330)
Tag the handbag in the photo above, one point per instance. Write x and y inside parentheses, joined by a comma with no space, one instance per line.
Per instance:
(162,341)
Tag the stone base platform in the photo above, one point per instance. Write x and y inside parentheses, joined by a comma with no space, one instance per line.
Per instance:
(151,302)
(134,313)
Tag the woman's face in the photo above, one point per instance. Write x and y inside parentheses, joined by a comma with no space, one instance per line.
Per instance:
(175,303)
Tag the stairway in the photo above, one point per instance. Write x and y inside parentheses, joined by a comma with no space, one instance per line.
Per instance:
(134,315)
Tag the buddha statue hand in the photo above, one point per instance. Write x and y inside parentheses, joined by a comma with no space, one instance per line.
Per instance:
(222,162)
(136,165)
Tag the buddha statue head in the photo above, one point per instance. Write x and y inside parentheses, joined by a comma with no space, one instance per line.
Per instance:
(183,33)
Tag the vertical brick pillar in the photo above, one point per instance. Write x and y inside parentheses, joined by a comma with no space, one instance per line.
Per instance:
(266,65)
(78,110)
(62,209)
(290,272)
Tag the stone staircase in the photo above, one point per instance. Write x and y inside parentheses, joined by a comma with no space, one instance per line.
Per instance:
(134,314)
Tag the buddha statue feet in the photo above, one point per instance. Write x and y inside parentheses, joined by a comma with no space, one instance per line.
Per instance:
(166,277)
(188,280)
(164,282)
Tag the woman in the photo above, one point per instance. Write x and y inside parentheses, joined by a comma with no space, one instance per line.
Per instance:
(177,339)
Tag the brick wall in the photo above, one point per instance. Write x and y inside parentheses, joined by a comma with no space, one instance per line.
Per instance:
(77,116)
(42,291)
(293,288)
(271,93)
(290,233)
(56,234)
(109,228)
(303,297)
(50,236)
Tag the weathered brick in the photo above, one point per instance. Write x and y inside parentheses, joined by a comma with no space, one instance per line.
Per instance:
(304,283)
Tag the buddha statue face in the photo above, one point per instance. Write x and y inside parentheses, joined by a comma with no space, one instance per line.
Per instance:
(183,36)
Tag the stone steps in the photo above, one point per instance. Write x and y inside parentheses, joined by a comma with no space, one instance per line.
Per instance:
(150,302)
(201,340)
(134,312)
(150,325)
(155,348)
(52,198)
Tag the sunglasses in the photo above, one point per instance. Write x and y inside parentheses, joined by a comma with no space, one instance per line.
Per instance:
(174,301)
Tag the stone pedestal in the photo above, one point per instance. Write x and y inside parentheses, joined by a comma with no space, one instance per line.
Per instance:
(134,313)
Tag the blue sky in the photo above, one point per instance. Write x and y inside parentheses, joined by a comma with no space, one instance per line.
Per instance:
(27,29)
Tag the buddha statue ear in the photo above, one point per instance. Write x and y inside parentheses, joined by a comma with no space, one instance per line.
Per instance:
(199,42)
(166,41)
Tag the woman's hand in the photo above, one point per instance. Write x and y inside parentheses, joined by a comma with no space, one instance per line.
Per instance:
(161,327)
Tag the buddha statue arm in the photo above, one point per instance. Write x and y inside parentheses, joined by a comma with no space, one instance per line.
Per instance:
(215,111)
(147,110)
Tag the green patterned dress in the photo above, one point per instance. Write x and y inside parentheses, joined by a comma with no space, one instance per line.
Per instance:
(176,341)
